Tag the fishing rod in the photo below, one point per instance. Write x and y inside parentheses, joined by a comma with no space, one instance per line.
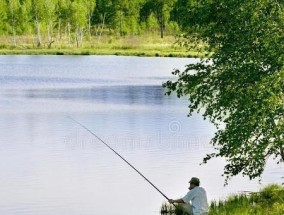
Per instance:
(120,157)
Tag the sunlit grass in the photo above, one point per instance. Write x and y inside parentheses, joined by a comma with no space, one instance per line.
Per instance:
(268,201)
(142,45)
(169,209)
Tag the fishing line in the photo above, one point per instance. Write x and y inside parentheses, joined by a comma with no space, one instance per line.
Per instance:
(120,157)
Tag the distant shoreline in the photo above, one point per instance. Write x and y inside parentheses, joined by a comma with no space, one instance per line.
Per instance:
(89,51)
(144,46)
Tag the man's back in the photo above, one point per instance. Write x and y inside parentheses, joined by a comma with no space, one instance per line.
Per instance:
(198,199)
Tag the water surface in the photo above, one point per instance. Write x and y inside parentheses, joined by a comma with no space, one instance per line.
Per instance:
(50,166)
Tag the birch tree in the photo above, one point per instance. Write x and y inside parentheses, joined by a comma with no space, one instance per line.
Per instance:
(3,15)
(38,13)
(49,14)
(90,5)
(240,88)
(25,17)
(13,8)
(64,13)
(79,13)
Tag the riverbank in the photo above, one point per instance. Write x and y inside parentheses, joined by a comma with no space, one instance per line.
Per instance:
(101,51)
(268,201)
(150,46)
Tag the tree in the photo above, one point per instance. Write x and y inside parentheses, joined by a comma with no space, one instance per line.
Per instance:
(79,19)
(90,5)
(180,12)
(49,12)
(3,15)
(240,88)
(24,25)
(122,16)
(126,16)
(63,15)
(14,6)
(104,11)
(161,9)
(38,13)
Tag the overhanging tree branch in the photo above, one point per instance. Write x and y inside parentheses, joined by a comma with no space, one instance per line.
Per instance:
(241,86)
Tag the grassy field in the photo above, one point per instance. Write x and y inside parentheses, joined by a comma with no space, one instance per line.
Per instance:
(268,201)
(143,45)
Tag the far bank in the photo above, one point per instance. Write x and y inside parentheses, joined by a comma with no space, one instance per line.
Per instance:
(144,45)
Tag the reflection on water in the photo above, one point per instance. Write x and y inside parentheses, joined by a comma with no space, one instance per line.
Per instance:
(152,95)
(49,165)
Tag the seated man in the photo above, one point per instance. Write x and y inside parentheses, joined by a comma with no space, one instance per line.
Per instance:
(195,201)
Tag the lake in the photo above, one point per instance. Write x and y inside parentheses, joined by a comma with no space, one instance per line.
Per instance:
(51,166)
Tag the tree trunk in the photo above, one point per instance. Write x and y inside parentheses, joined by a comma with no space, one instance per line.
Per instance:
(69,32)
(97,31)
(160,19)
(162,32)
(162,26)
(120,23)
(13,29)
(79,36)
(39,40)
(102,28)
(49,34)
(77,40)
(90,16)
(59,30)
(14,36)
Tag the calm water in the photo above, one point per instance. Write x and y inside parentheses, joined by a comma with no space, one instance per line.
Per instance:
(50,166)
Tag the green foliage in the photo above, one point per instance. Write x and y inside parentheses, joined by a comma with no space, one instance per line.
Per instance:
(25,17)
(13,9)
(181,12)
(17,18)
(121,15)
(3,15)
(126,16)
(63,13)
(103,12)
(49,9)
(150,24)
(38,10)
(161,10)
(268,201)
(57,19)
(90,5)
(240,88)
(79,13)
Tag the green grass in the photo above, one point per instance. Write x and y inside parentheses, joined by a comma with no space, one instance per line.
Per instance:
(268,201)
(144,45)
(167,209)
